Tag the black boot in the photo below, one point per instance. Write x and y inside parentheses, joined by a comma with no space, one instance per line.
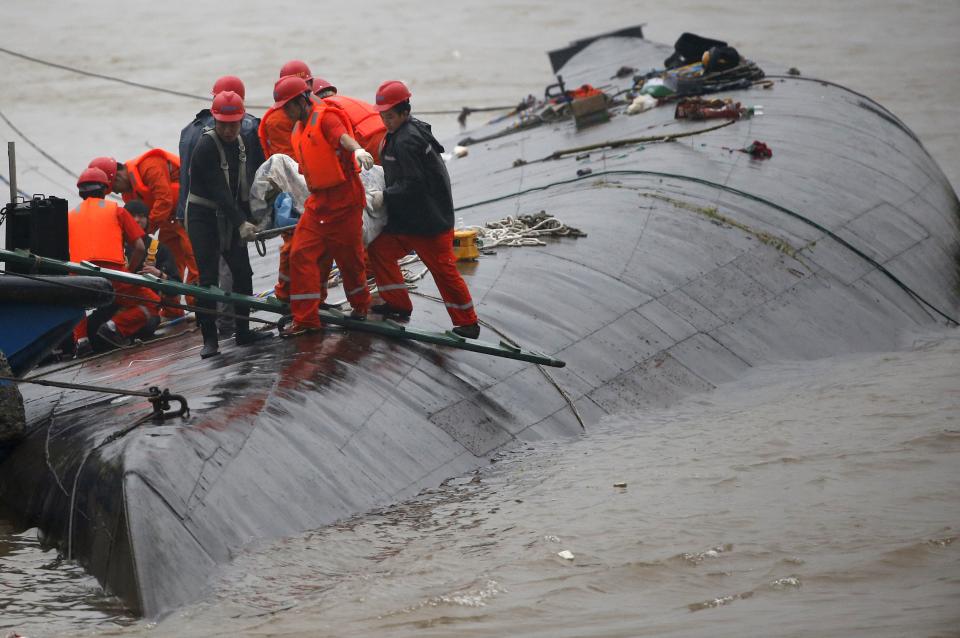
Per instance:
(211,346)
(244,336)
(247,337)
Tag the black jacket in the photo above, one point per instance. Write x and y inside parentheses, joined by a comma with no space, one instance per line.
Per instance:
(189,137)
(165,262)
(206,180)
(418,196)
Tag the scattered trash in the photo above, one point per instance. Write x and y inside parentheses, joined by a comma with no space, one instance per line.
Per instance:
(519,162)
(460,151)
(620,484)
(623,72)
(758,150)
(720,58)
(793,71)
(584,171)
(696,108)
(642,103)
(566,554)
(659,87)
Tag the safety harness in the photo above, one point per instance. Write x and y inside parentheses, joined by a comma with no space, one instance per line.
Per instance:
(193,198)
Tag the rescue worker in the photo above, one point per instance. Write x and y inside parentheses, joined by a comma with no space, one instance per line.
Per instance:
(368,128)
(189,136)
(154,178)
(419,214)
(274,132)
(158,262)
(218,215)
(331,226)
(98,231)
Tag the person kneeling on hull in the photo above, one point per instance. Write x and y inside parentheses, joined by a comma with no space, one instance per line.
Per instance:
(159,262)
(218,216)
(98,231)
(419,214)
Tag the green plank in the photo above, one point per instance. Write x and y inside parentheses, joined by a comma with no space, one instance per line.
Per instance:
(385,328)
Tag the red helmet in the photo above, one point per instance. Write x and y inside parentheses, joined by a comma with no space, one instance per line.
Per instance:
(297,68)
(391,93)
(93,175)
(109,167)
(229,83)
(288,88)
(319,84)
(227,107)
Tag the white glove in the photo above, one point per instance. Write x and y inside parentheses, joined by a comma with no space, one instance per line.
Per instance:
(376,199)
(364,159)
(248,232)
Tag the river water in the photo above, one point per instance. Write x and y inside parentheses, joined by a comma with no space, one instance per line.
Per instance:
(813,498)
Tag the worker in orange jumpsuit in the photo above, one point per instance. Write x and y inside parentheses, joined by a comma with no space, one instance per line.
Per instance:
(154,178)
(275,130)
(331,226)
(419,214)
(98,230)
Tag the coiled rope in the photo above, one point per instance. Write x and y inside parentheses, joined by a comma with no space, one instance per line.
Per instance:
(524,230)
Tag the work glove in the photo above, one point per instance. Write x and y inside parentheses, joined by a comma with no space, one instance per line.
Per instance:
(248,232)
(376,199)
(364,159)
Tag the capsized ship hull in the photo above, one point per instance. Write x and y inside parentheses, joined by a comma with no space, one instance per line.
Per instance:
(691,273)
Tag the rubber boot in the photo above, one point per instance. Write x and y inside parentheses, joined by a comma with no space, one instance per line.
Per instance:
(211,346)
(244,336)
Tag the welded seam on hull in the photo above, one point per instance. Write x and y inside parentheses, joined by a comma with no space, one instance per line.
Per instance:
(182,518)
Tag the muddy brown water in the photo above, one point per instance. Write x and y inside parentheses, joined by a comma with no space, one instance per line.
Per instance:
(808,498)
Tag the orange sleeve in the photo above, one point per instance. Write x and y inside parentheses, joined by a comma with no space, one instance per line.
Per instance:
(278,129)
(156,177)
(129,227)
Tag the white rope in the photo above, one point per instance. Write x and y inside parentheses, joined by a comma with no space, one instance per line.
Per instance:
(523,230)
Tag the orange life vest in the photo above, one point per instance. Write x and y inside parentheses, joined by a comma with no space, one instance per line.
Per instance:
(365,119)
(95,233)
(140,190)
(320,163)
(271,147)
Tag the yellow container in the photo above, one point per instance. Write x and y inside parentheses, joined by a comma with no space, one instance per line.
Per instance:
(465,245)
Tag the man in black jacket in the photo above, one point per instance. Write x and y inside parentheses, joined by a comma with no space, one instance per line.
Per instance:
(189,137)
(218,215)
(419,214)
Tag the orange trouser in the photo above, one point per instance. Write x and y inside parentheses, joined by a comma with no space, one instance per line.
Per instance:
(174,237)
(436,253)
(282,289)
(322,236)
(134,313)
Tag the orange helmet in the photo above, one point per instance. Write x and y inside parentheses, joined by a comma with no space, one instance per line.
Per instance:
(391,93)
(93,175)
(297,68)
(288,88)
(319,84)
(227,107)
(108,166)
(229,83)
